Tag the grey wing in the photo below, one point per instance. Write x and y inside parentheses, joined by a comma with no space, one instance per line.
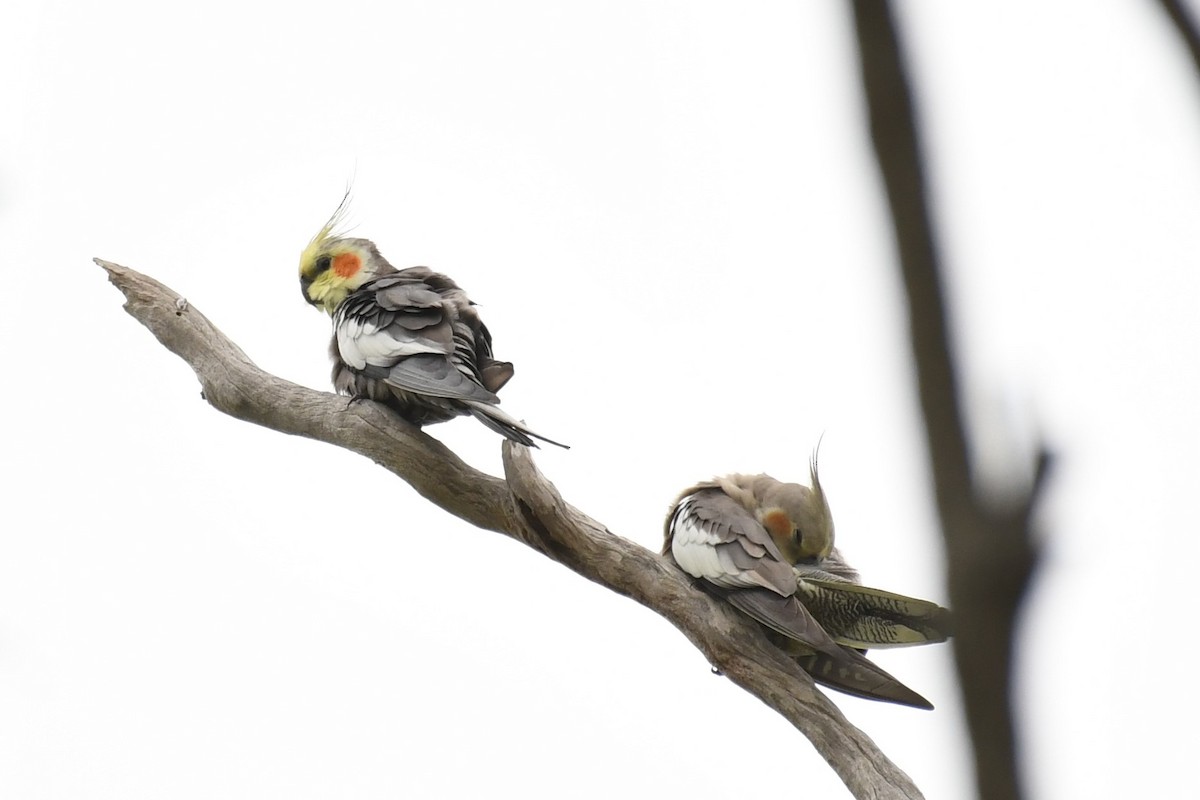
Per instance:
(713,537)
(433,376)
(784,615)
(398,330)
(369,333)
(716,539)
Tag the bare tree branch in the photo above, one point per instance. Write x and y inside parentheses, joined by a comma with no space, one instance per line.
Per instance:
(526,507)
(991,550)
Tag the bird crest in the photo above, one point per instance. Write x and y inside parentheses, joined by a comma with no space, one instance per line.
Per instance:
(334,265)
(812,471)
(333,229)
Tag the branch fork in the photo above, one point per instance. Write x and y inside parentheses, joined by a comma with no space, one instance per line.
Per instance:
(525,506)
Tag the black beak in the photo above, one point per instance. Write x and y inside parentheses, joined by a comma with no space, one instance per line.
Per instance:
(304,284)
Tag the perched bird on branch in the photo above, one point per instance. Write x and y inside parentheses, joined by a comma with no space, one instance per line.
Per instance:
(767,547)
(410,339)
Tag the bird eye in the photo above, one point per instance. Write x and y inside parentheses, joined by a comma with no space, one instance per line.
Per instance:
(322,265)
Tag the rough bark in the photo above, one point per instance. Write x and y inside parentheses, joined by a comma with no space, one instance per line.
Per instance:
(524,506)
(991,549)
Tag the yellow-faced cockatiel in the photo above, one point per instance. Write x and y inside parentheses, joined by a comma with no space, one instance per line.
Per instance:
(410,338)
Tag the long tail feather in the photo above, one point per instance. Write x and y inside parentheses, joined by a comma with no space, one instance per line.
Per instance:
(859,677)
(865,617)
(508,427)
(821,656)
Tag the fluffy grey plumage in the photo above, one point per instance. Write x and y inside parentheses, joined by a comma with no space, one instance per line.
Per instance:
(741,536)
(410,338)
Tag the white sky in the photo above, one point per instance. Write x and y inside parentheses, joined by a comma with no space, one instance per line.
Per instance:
(671,219)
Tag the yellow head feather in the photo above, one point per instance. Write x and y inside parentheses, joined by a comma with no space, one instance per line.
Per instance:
(321,285)
(331,230)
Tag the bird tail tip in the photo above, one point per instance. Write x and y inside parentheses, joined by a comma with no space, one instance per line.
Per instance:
(510,428)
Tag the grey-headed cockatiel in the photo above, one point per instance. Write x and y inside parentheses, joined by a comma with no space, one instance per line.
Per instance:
(409,338)
(767,548)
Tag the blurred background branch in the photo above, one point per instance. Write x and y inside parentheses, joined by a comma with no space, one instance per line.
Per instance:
(991,549)
(1185,24)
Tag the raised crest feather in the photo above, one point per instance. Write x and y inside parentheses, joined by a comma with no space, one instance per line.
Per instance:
(335,228)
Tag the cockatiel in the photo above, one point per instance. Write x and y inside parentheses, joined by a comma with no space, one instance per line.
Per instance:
(767,548)
(410,339)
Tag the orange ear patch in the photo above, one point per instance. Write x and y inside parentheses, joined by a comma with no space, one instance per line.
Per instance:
(778,524)
(346,264)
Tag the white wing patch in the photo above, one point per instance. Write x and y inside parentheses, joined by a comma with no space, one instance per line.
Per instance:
(361,343)
(695,550)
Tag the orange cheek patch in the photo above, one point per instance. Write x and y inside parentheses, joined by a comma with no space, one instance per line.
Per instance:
(346,264)
(778,525)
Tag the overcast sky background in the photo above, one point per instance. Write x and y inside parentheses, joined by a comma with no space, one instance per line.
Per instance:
(670,216)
